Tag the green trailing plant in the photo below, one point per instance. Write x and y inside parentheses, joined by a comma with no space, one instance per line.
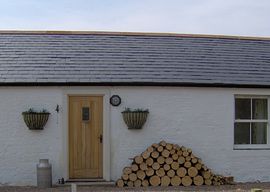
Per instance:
(138,110)
(32,111)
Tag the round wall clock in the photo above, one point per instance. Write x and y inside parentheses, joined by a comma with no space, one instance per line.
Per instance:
(115,100)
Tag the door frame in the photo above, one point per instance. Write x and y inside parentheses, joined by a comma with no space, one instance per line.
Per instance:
(90,91)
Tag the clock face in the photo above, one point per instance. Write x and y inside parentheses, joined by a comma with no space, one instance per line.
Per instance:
(115,100)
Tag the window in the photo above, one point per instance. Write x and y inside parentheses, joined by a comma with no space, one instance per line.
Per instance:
(85,114)
(251,121)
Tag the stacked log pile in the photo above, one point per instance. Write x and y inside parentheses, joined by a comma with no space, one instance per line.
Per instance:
(166,164)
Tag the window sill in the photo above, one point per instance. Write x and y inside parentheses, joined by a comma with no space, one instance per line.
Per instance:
(251,147)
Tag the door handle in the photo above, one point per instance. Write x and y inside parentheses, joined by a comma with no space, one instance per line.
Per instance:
(100,139)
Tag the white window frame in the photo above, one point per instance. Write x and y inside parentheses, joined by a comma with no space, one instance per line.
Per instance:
(253,146)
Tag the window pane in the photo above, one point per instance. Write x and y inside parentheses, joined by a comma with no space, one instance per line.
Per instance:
(241,133)
(242,108)
(258,133)
(259,108)
(85,113)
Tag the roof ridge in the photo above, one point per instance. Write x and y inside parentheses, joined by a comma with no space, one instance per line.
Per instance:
(167,34)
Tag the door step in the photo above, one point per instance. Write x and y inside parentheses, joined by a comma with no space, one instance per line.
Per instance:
(88,182)
(85,180)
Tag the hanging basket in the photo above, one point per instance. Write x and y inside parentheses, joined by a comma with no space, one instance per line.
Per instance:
(135,119)
(35,120)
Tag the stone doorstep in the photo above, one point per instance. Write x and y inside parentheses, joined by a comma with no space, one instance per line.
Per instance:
(84,180)
(87,182)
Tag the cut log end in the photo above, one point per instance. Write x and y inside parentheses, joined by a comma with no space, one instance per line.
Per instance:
(132,177)
(130,184)
(192,171)
(127,170)
(181,172)
(154,180)
(186,181)
(145,183)
(198,180)
(134,167)
(138,159)
(120,183)
(141,174)
(165,181)
(175,181)
(155,154)
(137,183)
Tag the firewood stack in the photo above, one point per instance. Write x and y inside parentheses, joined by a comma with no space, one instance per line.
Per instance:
(166,164)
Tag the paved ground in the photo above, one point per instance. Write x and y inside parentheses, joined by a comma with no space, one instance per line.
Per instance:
(225,188)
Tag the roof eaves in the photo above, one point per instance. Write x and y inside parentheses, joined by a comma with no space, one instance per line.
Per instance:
(25,32)
(168,84)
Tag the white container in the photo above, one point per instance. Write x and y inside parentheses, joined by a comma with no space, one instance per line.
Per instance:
(44,174)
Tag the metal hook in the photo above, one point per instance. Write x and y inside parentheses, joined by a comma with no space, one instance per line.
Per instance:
(57,108)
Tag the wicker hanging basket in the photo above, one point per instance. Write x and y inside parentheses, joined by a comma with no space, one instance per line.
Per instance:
(135,119)
(35,120)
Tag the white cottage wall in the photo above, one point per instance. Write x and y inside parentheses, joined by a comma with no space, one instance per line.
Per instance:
(199,118)
(21,148)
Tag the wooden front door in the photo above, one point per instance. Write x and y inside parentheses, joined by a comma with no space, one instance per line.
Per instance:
(85,137)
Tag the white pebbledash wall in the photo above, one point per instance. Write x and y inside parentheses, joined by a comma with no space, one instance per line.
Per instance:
(199,118)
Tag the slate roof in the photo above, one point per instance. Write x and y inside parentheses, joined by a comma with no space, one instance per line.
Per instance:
(33,58)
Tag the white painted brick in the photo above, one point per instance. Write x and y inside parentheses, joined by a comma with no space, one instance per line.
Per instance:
(21,148)
(199,118)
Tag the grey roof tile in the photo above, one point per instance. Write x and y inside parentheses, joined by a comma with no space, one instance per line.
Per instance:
(95,58)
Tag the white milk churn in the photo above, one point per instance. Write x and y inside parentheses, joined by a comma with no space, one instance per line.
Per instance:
(44,174)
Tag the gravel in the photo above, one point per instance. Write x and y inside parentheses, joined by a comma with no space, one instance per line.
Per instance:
(237,188)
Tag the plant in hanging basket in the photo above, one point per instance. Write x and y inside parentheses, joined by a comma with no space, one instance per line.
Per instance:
(136,118)
(35,120)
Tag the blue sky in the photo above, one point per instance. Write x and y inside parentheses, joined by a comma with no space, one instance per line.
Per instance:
(229,17)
